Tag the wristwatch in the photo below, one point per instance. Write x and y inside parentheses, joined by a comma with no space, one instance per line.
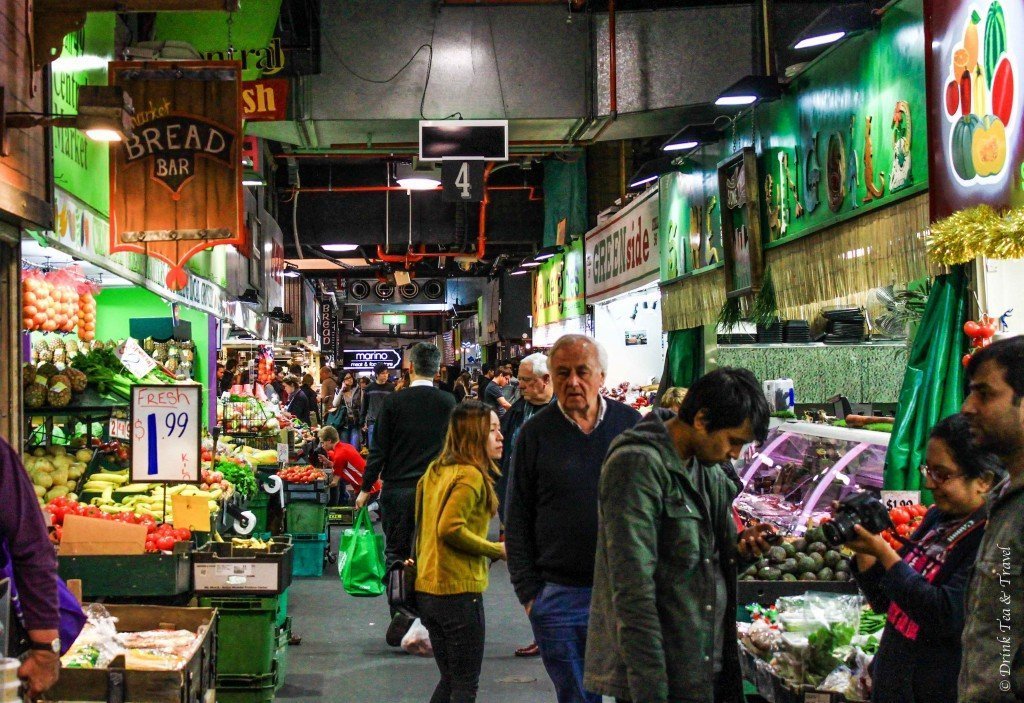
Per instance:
(52,646)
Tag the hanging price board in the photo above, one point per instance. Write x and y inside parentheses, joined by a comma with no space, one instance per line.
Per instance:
(166,424)
(135,358)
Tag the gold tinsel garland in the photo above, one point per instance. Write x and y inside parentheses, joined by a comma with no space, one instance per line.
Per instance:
(977,231)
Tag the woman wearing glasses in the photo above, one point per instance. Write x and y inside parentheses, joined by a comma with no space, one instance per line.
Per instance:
(921,587)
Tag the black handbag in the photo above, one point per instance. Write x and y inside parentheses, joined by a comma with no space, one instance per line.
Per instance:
(401,577)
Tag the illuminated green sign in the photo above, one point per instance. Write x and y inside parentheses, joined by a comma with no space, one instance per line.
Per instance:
(395,319)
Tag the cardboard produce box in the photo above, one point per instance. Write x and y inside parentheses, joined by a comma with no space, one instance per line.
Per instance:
(190,684)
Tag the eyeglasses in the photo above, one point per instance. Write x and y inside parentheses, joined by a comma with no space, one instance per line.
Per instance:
(938,476)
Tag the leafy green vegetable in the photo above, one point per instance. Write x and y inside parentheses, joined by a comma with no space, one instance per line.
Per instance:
(820,658)
(241,477)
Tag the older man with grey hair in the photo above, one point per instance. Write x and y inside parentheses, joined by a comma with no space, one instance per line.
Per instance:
(409,434)
(551,507)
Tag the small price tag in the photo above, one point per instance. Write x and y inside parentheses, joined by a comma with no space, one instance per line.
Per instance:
(191,512)
(282,452)
(119,429)
(134,358)
(900,499)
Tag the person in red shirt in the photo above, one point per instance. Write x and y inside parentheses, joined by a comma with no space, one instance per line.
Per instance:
(344,460)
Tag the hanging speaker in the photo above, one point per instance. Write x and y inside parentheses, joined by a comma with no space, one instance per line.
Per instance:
(409,291)
(384,290)
(433,289)
(358,290)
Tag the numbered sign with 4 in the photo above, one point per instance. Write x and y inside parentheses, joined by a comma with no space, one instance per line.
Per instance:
(166,427)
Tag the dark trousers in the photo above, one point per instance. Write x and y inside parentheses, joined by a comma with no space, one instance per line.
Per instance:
(559,619)
(398,519)
(721,692)
(456,627)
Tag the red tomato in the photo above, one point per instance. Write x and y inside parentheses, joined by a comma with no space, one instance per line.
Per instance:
(164,543)
(972,329)
(183,535)
(899,516)
(903,530)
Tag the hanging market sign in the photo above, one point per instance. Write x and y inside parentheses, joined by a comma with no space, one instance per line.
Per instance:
(366,359)
(690,224)
(974,105)
(268,60)
(265,100)
(76,158)
(176,183)
(741,224)
(623,254)
(328,333)
(558,292)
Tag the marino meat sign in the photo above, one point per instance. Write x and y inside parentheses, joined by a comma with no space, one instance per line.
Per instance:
(175,184)
(622,254)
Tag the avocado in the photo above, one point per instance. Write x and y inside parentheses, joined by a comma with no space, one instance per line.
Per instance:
(842,576)
(815,534)
(750,571)
(747,578)
(790,549)
(817,548)
(800,544)
(826,574)
(769,574)
(789,566)
(818,559)
(761,563)
(807,576)
(843,565)
(788,577)
(832,558)
(777,555)
(805,563)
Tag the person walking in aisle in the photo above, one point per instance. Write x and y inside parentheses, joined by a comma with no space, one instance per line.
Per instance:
(359,434)
(461,388)
(328,389)
(494,395)
(537,392)
(299,404)
(921,588)
(409,434)
(373,399)
(551,531)
(663,623)
(992,668)
(457,499)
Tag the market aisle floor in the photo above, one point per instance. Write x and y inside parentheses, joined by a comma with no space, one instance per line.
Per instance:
(343,656)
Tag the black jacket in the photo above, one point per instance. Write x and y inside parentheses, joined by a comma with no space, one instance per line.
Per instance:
(300,406)
(925,668)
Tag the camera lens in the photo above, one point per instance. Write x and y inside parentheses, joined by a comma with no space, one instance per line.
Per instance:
(839,530)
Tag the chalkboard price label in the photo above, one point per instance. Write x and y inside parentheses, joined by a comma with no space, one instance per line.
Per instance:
(166,426)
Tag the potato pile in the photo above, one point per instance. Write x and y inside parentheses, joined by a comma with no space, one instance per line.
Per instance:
(55,472)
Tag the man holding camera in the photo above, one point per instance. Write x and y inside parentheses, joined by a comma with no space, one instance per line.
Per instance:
(992,669)
(663,615)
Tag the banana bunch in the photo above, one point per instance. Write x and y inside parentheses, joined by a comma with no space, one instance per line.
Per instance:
(101,480)
(257,456)
(250,543)
(152,499)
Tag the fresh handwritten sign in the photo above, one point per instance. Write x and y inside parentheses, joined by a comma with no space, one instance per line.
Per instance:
(166,426)
(135,358)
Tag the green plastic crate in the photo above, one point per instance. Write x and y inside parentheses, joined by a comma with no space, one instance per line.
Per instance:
(247,689)
(282,608)
(103,575)
(258,506)
(306,518)
(284,635)
(246,635)
(308,555)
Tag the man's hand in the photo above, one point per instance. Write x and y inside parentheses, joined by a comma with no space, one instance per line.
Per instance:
(753,542)
(39,672)
(362,499)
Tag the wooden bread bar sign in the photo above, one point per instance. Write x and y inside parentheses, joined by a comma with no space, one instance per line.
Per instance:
(175,183)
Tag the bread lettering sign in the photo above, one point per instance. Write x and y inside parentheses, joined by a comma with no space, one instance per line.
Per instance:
(166,424)
(173,142)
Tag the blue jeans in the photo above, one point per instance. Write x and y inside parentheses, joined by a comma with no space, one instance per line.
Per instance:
(559,619)
(353,436)
(369,434)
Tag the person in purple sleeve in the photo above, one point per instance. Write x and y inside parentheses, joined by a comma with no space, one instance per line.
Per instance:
(25,547)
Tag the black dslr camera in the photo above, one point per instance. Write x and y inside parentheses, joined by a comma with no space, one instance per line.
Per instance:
(857,509)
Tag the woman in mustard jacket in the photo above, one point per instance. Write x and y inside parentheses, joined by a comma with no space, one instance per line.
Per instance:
(455,504)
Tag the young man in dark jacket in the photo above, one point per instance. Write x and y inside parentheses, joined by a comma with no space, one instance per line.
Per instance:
(663,617)
(373,400)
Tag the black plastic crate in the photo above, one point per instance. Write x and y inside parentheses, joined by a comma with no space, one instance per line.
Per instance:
(222,569)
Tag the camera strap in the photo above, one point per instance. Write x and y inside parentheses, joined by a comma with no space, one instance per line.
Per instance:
(951,538)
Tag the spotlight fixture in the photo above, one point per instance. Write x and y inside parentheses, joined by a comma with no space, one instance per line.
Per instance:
(519,272)
(529,264)
(250,297)
(339,247)
(835,23)
(104,114)
(548,252)
(416,176)
(279,315)
(651,170)
(251,177)
(691,136)
(749,90)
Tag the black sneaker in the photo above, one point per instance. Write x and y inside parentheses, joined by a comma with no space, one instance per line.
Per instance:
(400,625)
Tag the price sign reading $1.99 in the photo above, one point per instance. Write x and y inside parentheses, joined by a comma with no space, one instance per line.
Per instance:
(166,425)
(900,499)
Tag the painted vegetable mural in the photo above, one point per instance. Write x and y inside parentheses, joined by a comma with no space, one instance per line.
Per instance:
(979,97)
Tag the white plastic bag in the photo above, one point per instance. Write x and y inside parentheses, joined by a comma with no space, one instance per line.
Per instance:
(417,640)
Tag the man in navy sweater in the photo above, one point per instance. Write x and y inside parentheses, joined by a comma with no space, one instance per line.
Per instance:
(551,530)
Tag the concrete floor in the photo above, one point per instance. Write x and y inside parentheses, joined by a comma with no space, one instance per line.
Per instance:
(343,656)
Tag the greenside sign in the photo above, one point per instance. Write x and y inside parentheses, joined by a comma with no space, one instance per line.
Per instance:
(80,164)
(691,222)
(558,287)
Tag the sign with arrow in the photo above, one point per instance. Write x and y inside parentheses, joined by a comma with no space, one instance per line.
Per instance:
(366,359)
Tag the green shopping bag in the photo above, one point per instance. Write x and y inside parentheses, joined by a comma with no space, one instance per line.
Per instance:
(361,558)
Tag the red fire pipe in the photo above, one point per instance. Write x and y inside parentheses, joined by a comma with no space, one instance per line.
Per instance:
(481,238)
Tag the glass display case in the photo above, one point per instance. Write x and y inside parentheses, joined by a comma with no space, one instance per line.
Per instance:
(802,468)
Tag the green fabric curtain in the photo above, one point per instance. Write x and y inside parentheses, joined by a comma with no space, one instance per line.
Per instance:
(684,359)
(933,383)
(565,198)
